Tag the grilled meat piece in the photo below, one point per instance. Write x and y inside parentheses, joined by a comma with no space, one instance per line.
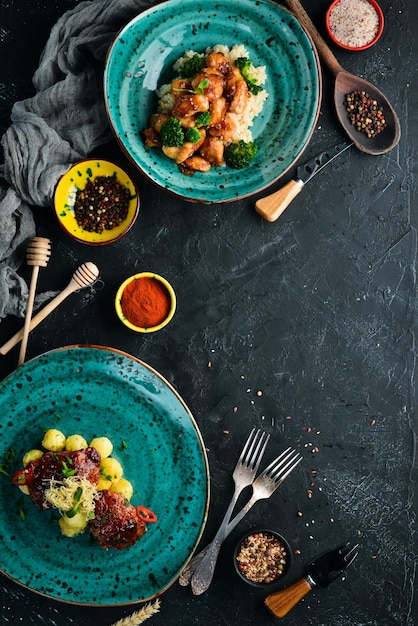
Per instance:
(39,473)
(116,523)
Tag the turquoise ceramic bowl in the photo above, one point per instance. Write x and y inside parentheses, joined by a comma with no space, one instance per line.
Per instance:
(95,391)
(141,58)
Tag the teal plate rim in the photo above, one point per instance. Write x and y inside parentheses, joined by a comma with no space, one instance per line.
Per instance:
(141,57)
(102,391)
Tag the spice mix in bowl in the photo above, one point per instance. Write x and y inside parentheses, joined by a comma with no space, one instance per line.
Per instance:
(262,557)
(354,24)
(96,202)
(145,302)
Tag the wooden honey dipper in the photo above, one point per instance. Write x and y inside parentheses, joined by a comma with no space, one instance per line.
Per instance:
(37,255)
(84,276)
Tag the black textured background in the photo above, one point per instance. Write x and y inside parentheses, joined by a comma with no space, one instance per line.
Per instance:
(318,311)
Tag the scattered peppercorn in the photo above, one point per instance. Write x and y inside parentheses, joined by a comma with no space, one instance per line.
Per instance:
(102,205)
(262,558)
(364,113)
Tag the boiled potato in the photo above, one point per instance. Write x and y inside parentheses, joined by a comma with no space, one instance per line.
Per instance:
(111,469)
(32,455)
(103,484)
(103,445)
(75,442)
(72,526)
(124,487)
(54,440)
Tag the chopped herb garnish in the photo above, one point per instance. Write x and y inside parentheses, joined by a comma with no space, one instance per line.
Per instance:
(66,470)
(10,455)
(202,86)
(21,510)
(4,469)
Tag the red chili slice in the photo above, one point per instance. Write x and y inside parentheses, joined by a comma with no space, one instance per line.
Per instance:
(22,477)
(146,515)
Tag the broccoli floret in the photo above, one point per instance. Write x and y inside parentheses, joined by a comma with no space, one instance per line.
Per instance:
(172,134)
(239,155)
(192,135)
(192,66)
(202,119)
(245,66)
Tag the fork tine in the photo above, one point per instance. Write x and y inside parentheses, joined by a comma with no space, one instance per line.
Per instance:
(281,467)
(349,556)
(289,462)
(277,461)
(251,448)
(253,458)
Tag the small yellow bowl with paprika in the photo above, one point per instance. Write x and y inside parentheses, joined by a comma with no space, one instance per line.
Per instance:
(145,302)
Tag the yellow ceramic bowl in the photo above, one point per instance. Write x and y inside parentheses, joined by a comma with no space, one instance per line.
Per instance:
(169,290)
(74,181)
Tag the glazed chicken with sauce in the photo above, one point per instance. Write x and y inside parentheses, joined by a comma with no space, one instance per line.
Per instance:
(219,89)
(115,523)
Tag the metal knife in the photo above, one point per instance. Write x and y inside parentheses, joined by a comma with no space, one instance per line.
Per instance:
(321,571)
(272,206)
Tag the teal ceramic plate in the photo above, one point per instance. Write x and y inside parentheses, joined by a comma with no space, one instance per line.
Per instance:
(141,59)
(99,391)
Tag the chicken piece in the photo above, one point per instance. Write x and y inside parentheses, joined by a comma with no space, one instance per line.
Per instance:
(231,80)
(152,138)
(187,122)
(224,129)
(186,150)
(190,104)
(218,61)
(157,120)
(239,99)
(180,84)
(212,150)
(214,88)
(217,110)
(37,474)
(197,163)
(236,91)
(116,523)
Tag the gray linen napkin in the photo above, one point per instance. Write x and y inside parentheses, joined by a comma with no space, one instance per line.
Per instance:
(61,124)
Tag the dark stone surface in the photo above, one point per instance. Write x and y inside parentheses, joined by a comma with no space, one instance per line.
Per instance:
(318,311)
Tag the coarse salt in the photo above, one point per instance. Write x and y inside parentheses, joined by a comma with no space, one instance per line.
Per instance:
(354,23)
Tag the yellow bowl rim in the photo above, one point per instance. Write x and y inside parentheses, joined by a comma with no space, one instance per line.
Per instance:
(166,284)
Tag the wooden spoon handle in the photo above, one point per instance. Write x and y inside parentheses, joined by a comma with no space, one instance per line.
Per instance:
(29,309)
(39,317)
(281,602)
(327,56)
(271,207)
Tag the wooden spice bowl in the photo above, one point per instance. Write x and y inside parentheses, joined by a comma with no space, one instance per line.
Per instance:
(145,302)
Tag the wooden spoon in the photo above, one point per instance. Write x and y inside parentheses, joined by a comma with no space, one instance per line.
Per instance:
(346,83)
(37,255)
(84,276)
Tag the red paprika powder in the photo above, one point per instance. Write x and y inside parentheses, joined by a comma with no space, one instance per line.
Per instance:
(145,302)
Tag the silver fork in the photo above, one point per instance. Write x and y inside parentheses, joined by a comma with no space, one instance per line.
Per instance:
(263,487)
(243,475)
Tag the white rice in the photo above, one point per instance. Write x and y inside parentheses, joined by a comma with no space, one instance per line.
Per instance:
(255,103)
(354,23)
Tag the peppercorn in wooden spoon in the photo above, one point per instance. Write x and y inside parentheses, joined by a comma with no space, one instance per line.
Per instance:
(346,84)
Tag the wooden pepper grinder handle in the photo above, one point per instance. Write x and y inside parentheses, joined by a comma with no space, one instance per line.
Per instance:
(281,602)
(37,255)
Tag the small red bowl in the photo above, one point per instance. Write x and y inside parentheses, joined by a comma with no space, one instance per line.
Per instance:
(350,20)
